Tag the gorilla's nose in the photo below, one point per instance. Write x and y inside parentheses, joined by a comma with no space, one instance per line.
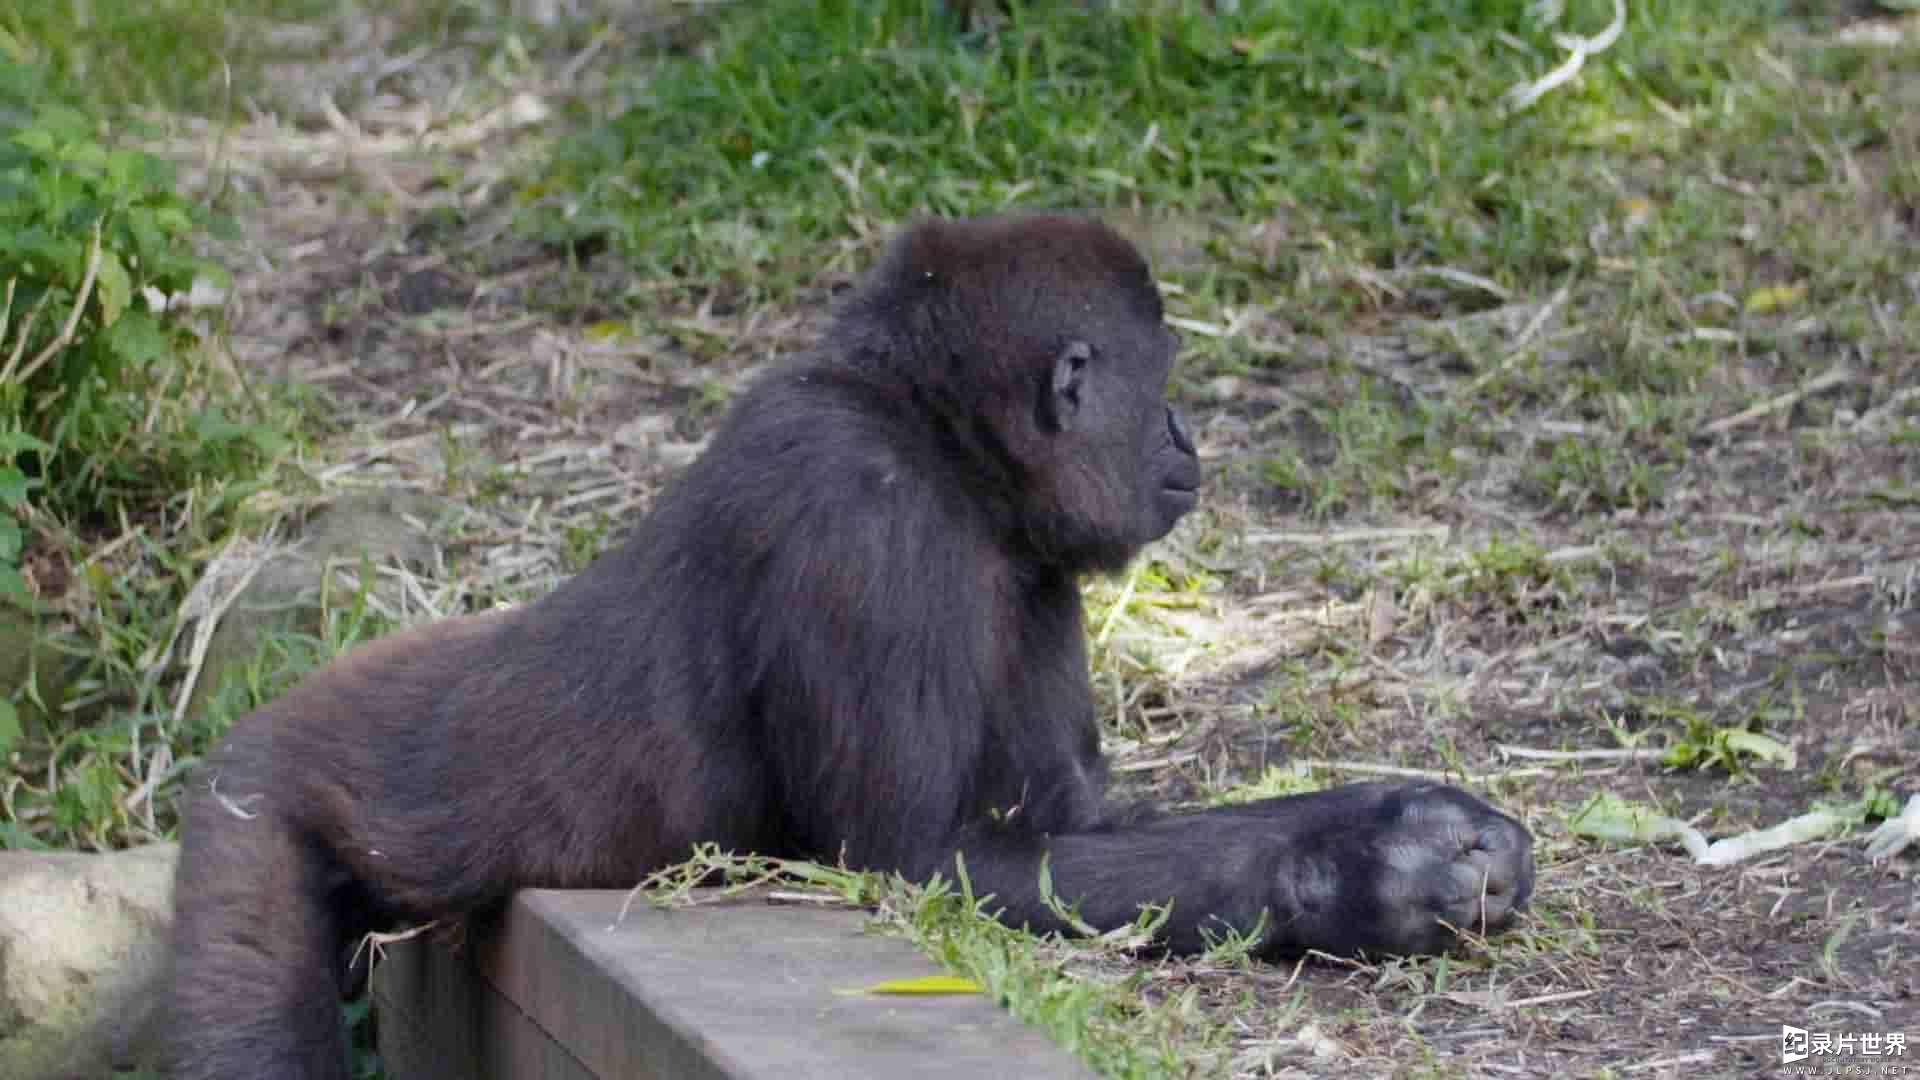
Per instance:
(1178,429)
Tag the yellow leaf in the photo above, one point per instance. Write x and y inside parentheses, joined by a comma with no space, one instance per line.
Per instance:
(1774,297)
(925,984)
(113,288)
(605,330)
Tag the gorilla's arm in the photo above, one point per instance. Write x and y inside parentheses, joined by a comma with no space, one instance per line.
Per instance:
(1385,868)
(1381,867)
(903,741)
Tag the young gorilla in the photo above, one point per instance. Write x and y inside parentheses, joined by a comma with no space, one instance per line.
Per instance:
(852,628)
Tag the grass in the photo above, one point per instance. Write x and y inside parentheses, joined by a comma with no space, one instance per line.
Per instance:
(1085,992)
(128,442)
(758,156)
(206,57)
(178,52)
(1590,426)
(1374,131)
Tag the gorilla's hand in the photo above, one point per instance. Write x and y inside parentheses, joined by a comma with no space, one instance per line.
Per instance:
(1391,868)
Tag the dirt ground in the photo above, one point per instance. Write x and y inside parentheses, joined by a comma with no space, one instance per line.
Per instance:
(1775,579)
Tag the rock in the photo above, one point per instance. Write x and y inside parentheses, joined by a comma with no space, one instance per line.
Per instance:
(387,526)
(81,944)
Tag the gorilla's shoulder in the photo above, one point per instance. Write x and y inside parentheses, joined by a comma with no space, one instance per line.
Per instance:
(821,431)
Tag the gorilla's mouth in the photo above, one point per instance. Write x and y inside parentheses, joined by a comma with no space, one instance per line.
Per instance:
(1182,482)
(1180,494)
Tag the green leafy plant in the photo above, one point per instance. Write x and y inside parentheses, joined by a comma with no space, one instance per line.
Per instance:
(108,395)
(92,240)
(126,442)
(1701,744)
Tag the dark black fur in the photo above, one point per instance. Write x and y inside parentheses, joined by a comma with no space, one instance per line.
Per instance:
(851,628)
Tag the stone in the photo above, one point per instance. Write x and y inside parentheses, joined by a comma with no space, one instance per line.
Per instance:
(565,987)
(82,941)
(386,526)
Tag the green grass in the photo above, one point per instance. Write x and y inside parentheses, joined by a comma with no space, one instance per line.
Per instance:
(128,445)
(1321,152)
(167,52)
(1375,128)
(202,56)
(1103,1011)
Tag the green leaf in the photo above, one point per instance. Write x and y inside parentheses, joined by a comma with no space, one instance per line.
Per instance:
(15,838)
(1761,746)
(10,731)
(14,587)
(38,140)
(137,337)
(1608,817)
(90,797)
(89,155)
(13,487)
(126,169)
(114,287)
(270,442)
(213,428)
(173,219)
(14,442)
(63,122)
(145,232)
(12,539)
(12,49)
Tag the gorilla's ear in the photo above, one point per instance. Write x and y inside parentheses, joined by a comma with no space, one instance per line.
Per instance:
(1069,372)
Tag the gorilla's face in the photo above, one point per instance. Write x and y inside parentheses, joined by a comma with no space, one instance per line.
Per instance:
(1172,472)
(1048,335)
(1172,466)
(1132,463)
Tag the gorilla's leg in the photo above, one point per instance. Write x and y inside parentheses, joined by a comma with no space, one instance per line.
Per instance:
(256,949)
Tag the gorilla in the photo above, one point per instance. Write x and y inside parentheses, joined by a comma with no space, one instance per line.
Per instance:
(851,630)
